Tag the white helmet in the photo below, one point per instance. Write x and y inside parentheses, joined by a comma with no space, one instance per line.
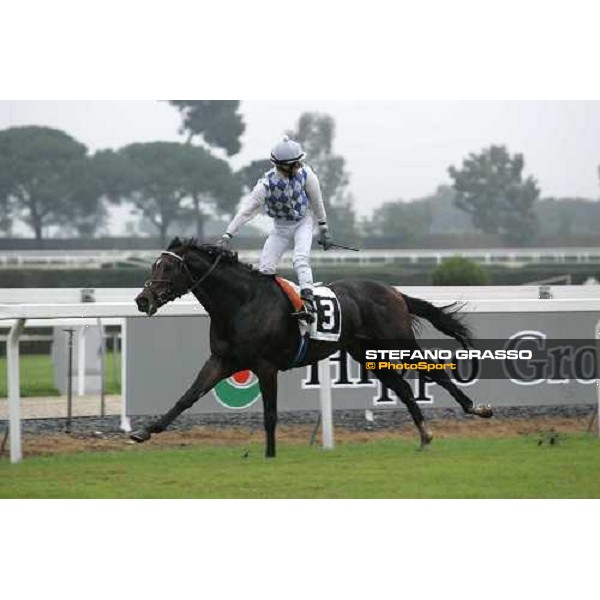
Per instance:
(287,152)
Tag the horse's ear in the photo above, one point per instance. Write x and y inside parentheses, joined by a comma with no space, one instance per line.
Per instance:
(174,242)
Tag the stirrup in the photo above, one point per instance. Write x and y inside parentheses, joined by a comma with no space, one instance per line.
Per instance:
(304,315)
(307,313)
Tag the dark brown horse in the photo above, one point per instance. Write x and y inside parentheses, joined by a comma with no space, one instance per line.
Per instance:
(251,328)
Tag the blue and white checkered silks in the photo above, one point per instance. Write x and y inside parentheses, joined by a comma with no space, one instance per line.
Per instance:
(286,197)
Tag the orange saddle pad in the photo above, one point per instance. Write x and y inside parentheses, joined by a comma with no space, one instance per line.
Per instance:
(290,292)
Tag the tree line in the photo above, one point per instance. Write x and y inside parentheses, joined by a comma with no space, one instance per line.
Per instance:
(48,178)
(490,194)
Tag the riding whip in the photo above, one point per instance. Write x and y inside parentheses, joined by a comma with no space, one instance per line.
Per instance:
(340,246)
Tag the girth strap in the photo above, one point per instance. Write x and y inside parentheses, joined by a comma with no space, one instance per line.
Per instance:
(301,351)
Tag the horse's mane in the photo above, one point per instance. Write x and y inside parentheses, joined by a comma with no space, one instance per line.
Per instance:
(228,257)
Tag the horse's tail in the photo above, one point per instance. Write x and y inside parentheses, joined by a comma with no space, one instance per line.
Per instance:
(443,318)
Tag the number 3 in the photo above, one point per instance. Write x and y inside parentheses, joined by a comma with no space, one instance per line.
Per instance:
(328,312)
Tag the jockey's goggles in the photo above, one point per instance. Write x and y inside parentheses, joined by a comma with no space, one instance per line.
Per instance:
(289,167)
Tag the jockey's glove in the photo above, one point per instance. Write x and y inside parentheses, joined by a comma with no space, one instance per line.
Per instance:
(324,237)
(224,241)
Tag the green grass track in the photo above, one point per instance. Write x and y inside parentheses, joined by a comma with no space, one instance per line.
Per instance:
(451,468)
(37,376)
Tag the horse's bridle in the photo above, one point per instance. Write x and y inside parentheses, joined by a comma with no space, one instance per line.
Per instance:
(169,294)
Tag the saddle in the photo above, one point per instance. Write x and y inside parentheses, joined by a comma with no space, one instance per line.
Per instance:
(294,297)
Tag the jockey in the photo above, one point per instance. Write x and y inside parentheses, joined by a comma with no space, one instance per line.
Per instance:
(290,193)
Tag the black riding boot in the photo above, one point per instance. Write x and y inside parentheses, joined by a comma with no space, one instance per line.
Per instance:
(307,314)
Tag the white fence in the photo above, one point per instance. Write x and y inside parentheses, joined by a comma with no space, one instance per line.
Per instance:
(37,306)
(512,257)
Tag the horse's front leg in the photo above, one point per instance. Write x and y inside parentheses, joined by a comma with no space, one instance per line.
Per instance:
(213,370)
(267,379)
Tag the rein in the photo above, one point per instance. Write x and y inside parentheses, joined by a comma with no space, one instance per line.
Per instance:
(196,283)
(169,294)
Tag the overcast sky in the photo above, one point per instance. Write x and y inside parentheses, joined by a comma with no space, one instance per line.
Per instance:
(394,149)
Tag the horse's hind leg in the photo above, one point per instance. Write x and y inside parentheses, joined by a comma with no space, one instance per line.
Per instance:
(441,377)
(405,393)
(396,382)
(211,373)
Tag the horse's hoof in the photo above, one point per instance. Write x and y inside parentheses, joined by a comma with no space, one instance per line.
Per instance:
(484,411)
(140,435)
(425,441)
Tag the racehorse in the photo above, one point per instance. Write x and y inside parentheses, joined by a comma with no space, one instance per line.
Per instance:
(251,327)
